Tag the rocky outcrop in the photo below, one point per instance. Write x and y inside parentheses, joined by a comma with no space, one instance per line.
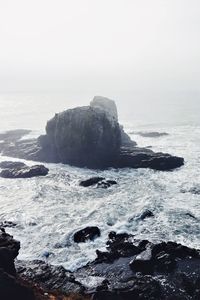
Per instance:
(128,269)
(90,137)
(83,137)
(133,269)
(25,172)
(146,158)
(88,233)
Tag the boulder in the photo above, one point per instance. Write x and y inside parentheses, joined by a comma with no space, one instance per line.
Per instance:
(88,233)
(25,172)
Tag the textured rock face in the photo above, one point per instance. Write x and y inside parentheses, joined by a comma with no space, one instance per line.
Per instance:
(9,249)
(83,136)
(106,105)
(88,233)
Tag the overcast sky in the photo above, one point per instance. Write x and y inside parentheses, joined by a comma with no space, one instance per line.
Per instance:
(100,45)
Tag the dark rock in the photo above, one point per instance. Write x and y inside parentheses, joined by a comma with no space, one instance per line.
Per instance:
(84,137)
(25,172)
(126,140)
(146,214)
(143,262)
(98,181)
(190,215)
(91,181)
(146,158)
(164,271)
(106,183)
(9,249)
(12,288)
(151,134)
(12,165)
(193,190)
(88,233)
(48,277)
(136,289)
(5,224)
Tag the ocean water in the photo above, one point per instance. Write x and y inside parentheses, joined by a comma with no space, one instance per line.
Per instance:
(49,210)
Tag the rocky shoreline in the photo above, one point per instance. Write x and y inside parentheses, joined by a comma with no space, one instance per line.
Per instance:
(128,269)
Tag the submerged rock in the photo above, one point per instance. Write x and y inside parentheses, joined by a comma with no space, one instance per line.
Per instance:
(98,181)
(151,134)
(146,214)
(91,181)
(5,224)
(88,233)
(25,172)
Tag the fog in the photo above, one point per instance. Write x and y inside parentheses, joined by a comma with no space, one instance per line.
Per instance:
(117,48)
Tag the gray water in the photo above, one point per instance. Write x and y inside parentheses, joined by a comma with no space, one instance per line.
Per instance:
(48,210)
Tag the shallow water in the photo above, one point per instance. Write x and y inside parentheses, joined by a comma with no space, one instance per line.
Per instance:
(48,210)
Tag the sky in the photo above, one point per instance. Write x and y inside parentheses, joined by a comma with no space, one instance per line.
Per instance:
(106,47)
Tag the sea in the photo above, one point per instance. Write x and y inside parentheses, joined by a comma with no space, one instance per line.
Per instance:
(49,210)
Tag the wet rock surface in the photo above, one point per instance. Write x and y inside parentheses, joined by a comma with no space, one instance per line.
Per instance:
(129,269)
(88,233)
(24,172)
(48,277)
(87,136)
(98,182)
(142,270)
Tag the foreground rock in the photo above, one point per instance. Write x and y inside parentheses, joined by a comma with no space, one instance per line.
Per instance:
(39,283)
(132,269)
(25,172)
(90,137)
(129,269)
(88,233)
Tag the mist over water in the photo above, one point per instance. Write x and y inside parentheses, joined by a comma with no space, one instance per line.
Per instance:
(49,210)
(32,109)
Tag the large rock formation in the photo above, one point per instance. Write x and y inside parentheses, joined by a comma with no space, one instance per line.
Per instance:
(87,136)
(83,136)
